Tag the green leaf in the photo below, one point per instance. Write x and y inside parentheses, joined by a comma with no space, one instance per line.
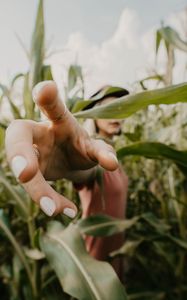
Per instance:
(2,138)
(34,254)
(19,201)
(156,77)
(72,102)
(37,72)
(130,104)
(147,295)
(172,37)
(4,89)
(158,40)
(161,251)
(16,77)
(46,73)
(37,48)
(157,224)
(74,92)
(3,126)
(17,268)
(80,105)
(80,275)
(136,135)
(74,73)
(14,109)
(156,151)
(103,225)
(83,104)
(128,248)
(18,249)
(27,99)
(55,227)
(179,242)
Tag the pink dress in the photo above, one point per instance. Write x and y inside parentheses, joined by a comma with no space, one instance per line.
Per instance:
(111,200)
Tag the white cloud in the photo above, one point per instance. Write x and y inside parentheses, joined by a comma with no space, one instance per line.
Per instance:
(125,57)
(112,62)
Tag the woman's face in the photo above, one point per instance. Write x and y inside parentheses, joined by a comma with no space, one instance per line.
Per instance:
(108,127)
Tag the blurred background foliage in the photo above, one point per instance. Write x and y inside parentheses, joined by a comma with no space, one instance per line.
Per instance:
(38,255)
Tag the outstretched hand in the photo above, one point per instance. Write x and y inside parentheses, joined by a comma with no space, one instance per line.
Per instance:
(53,149)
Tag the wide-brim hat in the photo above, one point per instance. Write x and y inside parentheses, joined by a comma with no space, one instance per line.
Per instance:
(106,92)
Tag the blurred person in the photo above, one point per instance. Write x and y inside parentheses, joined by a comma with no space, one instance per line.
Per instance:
(61,148)
(108,197)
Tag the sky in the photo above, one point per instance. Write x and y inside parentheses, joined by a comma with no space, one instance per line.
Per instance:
(112,40)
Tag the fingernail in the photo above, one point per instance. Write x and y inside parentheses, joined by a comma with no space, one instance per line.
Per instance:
(113,156)
(36,90)
(47,205)
(18,164)
(69,212)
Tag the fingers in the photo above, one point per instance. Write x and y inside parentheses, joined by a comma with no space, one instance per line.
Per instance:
(49,201)
(104,154)
(46,96)
(23,160)
(20,152)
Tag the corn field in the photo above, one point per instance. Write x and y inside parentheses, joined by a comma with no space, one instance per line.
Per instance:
(38,254)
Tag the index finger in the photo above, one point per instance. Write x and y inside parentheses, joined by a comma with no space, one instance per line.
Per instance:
(46,96)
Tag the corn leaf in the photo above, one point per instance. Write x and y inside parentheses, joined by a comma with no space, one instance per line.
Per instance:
(37,71)
(128,105)
(80,105)
(103,225)
(179,242)
(27,99)
(10,236)
(46,73)
(80,275)
(2,138)
(156,151)
(74,73)
(159,225)
(37,48)
(14,109)
(171,37)
(17,76)
(158,40)
(128,248)
(19,201)
(156,77)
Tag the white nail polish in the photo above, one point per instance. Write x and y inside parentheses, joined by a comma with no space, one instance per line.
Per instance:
(113,156)
(36,90)
(47,205)
(18,164)
(69,212)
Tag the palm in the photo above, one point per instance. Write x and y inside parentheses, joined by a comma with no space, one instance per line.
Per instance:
(62,154)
